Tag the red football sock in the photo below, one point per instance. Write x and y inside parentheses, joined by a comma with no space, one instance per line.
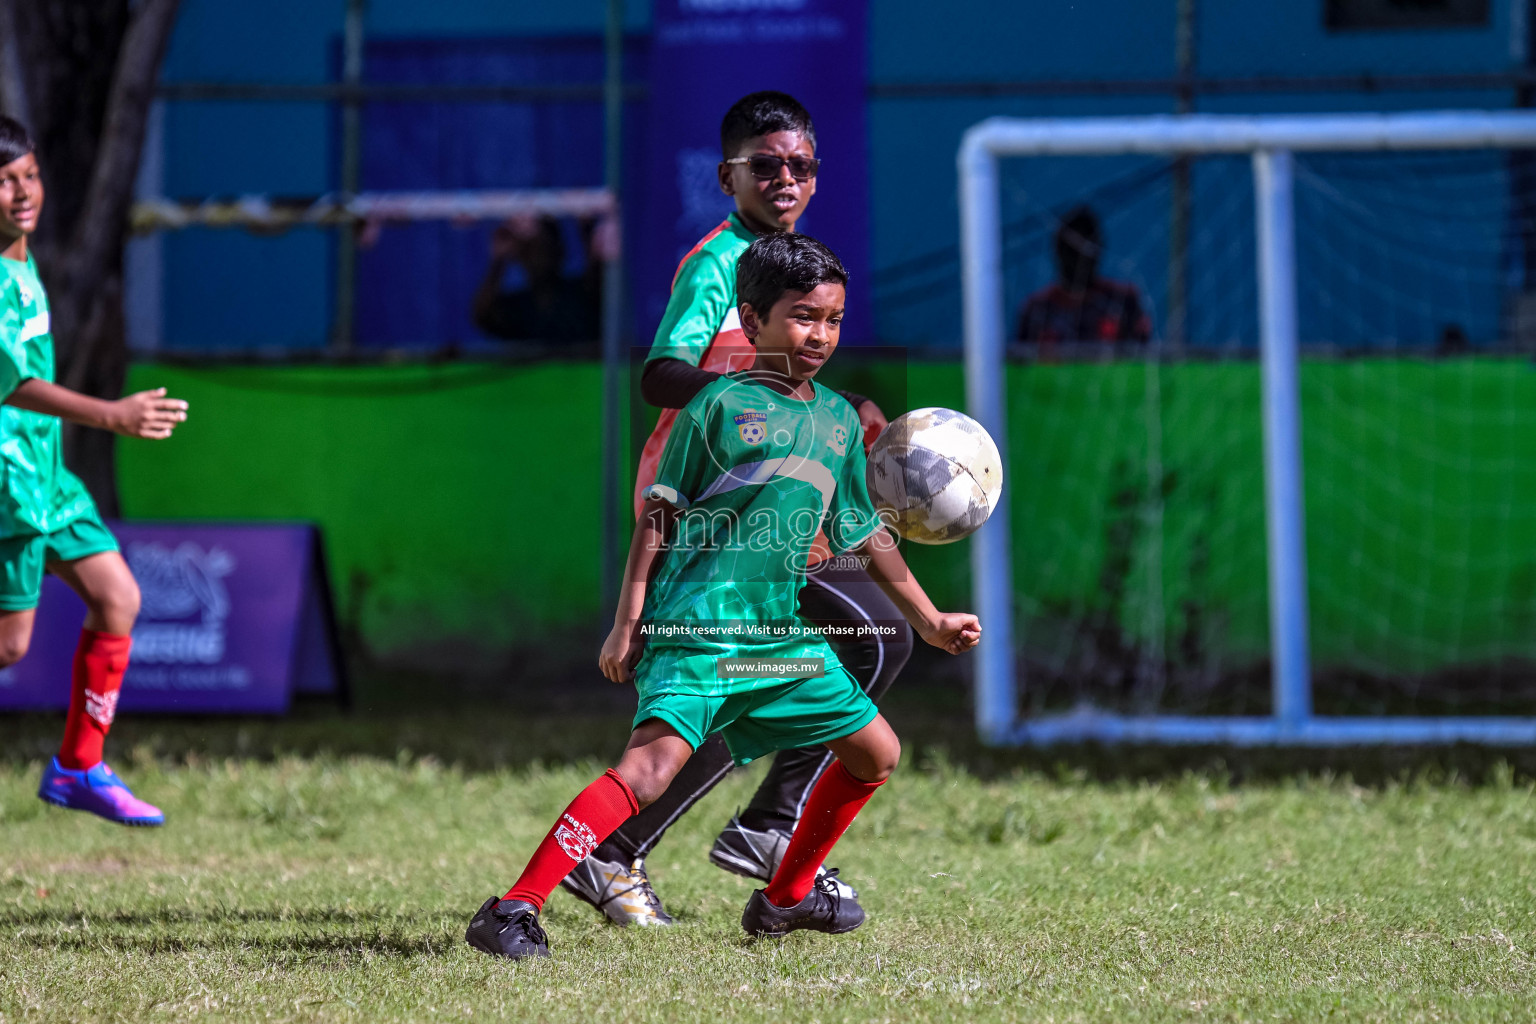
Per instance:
(834,803)
(597,810)
(100,661)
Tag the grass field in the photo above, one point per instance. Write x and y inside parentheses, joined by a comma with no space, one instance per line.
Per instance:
(311,873)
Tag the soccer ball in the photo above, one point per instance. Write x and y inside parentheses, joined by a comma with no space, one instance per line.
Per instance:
(935,475)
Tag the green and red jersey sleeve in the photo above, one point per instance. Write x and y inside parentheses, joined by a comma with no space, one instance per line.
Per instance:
(701,326)
(701,307)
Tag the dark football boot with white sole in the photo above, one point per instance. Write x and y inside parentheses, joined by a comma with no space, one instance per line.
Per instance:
(824,909)
(507,928)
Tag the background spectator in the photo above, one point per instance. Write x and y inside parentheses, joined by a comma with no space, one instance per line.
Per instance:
(552,306)
(1453,341)
(1080,305)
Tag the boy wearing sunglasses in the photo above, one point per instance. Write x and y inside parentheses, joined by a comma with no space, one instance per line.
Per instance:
(760,460)
(768,166)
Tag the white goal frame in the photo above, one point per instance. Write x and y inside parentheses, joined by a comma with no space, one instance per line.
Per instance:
(1270,140)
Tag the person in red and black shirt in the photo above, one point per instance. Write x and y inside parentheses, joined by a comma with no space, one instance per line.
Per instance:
(1081,306)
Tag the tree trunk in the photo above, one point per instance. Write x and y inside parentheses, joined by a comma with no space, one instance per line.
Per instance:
(88,70)
(13,79)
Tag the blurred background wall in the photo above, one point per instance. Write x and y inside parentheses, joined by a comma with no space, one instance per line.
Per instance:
(459,489)
(931,75)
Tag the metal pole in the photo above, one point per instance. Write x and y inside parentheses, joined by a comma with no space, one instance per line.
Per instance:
(1180,203)
(1284,512)
(981,248)
(351,175)
(1522,164)
(613,305)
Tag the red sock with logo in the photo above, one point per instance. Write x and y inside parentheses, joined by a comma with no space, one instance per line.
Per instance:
(597,810)
(833,804)
(100,661)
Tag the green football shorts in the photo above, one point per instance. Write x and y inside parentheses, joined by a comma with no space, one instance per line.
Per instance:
(779,716)
(23,559)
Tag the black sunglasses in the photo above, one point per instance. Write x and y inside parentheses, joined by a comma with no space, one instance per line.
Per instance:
(765,167)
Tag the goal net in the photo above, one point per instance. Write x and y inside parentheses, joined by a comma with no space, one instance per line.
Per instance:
(1303,509)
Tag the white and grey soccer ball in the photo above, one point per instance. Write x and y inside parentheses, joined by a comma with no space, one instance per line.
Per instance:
(935,475)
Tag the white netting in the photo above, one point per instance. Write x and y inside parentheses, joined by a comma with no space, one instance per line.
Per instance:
(1140,563)
(1420,476)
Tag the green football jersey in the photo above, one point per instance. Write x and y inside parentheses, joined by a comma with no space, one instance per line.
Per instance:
(756,474)
(701,321)
(39,495)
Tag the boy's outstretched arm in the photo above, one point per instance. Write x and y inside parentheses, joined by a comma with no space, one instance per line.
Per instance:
(955,632)
(622,648)
(145,414)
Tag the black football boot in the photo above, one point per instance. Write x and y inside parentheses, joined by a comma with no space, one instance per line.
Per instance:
(824,909)
(507,928)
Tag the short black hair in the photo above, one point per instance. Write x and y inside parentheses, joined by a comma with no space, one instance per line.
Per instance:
(784,262)
(550,234)
(1079,227)
(763,113)
(15,143)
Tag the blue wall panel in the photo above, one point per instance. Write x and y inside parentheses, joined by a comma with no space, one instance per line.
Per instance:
(219,286)
(227,148)
(979,40)
(500,17)
(415,285)
(1291,39)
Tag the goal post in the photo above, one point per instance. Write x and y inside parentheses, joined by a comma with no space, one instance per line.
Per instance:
(1270,141)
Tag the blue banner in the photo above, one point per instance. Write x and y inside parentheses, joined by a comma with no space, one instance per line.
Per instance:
(416,282)
(707,54)
(234,620)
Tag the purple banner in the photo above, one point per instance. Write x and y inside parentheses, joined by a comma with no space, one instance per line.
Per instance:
(234,620)
(707,54)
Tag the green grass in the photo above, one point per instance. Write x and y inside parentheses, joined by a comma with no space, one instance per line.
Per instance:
(333,882)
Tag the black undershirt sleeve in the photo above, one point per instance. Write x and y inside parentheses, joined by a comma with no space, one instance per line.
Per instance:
(672,383)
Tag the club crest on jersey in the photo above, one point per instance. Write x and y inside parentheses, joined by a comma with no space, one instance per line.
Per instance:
(753,426)
(838,442)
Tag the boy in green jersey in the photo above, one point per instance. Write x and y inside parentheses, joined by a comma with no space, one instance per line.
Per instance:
(707,624)
(47,520)
(769,167)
